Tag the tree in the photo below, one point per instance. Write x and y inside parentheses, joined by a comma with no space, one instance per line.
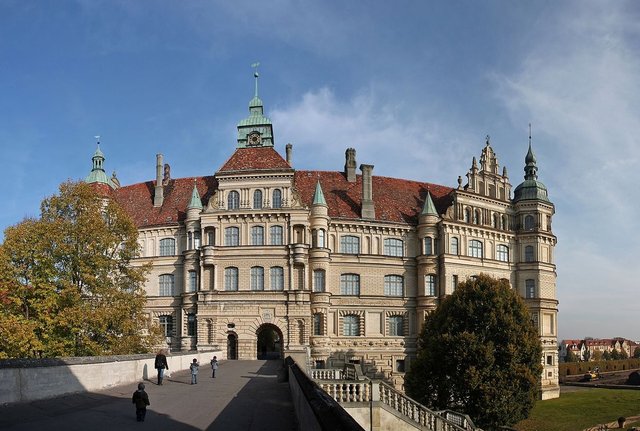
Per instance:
(636,353)
(71,289)
(606,355)
(479,353)
(570,356)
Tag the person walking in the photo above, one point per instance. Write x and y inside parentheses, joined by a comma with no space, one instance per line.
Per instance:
(141,400)
(214,367)
(161,365)
(194,371)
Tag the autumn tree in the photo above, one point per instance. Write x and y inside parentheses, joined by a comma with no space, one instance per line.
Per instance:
(636,353)
(570,356)
(71,288)
(479,353)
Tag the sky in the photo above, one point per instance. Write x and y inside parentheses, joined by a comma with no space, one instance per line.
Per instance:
(413,86)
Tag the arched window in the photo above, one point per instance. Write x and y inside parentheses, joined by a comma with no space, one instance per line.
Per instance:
(276,202)
(232,236)
(349,284)
(275,233)
(475,248)
(320,238)
(167,247)
(477,218)
(428,245)
(257,278)
(502,253)
(505,226)
(166,323)
(530,288)
(393,247)
(277,278)
(231,279)
(233,200)
(193,281)
(528,253)
(257,235)
(257,199)
(430,285)
(455,250)
(467,215)
(317,324)
(349,244)
(528,222)
(351,325)
(192,325)
(393,285)
(496,221)
(396,326)
(318,280)
(165,282)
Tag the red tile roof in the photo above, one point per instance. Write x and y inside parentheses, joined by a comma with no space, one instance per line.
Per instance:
(255,159)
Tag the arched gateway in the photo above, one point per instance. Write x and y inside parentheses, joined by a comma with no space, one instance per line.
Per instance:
(269,342)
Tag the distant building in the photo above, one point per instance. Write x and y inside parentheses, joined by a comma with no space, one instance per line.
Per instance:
(334,266)
(593,348)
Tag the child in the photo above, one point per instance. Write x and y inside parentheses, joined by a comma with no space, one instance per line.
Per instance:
(194,371)
(141,400)
(214,367)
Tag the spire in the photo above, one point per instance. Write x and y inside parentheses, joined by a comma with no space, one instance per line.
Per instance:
(255,130)
(530,188)
(196,202)
(97,174)
(429,208)
(318,196)
(530,168)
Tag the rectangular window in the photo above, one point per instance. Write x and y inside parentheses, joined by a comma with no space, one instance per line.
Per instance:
(276,235)
(193,281)
(257,278)
(350,244)
(428,245)
(430,285)
(393,247)
(231,279)
(400,368)
(232,236)
(166,323)
(396,326)
(502,253)
(351,326)
(210,238)
(350,284)
(528,253)
(191,325)
(318,280)
(167,247)
(530,288)
(317,324)
(393,285)
(277,278)
(454,283)
(166,285)
(454,246)
(197,242)
(257,235)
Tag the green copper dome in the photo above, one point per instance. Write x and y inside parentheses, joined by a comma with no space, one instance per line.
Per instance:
(97,174)
(531,188)
(256,130)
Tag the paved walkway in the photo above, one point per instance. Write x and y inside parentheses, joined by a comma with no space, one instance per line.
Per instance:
(245,395)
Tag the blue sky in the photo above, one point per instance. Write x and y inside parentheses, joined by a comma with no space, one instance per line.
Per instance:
(413,86)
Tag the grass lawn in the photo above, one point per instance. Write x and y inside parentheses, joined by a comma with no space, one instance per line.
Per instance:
(578,410)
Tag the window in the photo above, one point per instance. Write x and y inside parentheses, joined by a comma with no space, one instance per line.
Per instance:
(400,367)
(475,248)
(350,284)
(351,325)
(166,323)
(231,279)
(232,236)
(393,285)
(454,283)
(430,285)
(496,222)
(193,281)
(191,325)
(428,245)
(211,238)
(502,253)
(166,285)
(233,201)
(320,238)
(318,280)
(476,217)
(396,326)
(275,232)
(317,324)
(549,360)
(196,239)
(530,288)
(189,241)
(454,246)
(167,247)
(467,215)
(257,235)
(350,244)
(277,199)
(277,278)
(257,278)
(257,199)
(393,247)
(528,253)
(528,222)
(504,222)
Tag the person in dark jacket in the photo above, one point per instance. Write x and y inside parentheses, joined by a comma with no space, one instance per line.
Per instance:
(161,365)
(141,400)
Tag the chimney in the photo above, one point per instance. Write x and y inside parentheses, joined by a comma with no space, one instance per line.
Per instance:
(158,197)
(289,149)
(368,210)
(350,165)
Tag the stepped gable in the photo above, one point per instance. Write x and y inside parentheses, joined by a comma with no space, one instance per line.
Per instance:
(255,159)
(395,200)
(137,200)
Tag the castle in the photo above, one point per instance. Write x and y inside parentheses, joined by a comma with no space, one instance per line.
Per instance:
(265,260)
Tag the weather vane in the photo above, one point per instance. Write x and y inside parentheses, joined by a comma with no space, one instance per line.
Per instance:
(255,74)
(97,138)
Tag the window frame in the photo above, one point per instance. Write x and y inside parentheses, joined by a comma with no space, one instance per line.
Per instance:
(395,326)
(257,278)
(257,235)
(192,325)
(454,246)
(257,199)
(192,281)
(502,253)
(350,244)
(351,325)
(231,275)
(476,249)
(232,236)
(430,285)
(166,281)
(350,284)
(167,247)
(276,278)
(393,247)
(276,232)
(276,198)
(394,285)
(233,200)
(317,324)
(529,254)
(530,288)
(319,275)
(166,323)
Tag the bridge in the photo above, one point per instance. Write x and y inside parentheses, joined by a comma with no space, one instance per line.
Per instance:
(245,395)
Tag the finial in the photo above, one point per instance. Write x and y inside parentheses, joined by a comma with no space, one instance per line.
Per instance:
(255,75)
(529,135)
(488,139)
(97,139)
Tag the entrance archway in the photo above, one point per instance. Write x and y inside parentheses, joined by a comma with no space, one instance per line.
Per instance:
(269,345)
(232,346)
